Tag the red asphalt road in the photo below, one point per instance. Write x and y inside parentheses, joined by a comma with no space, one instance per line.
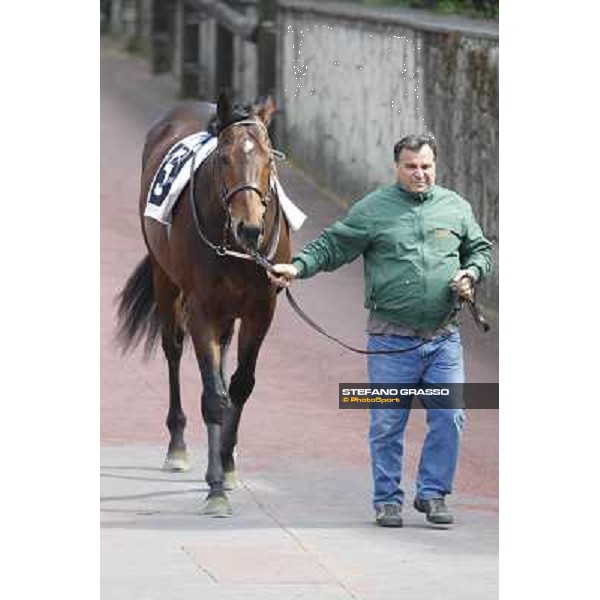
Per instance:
(292,415)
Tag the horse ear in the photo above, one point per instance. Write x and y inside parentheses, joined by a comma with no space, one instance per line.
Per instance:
(265,108)
(223,108)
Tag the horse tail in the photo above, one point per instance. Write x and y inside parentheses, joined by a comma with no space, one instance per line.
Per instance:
(137,314)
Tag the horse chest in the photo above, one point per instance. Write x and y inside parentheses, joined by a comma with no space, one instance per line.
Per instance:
(231,298)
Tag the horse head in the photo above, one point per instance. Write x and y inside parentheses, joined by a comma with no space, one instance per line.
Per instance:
(245,163)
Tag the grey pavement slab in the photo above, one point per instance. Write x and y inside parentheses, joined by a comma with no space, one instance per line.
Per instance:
(305,532)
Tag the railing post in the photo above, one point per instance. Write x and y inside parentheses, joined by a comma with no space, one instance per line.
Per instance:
(224,50)
(116,17)
(160,36)
(267,46)
(131,23)
(267,53)
(207,60)
(190,51)
(245,55)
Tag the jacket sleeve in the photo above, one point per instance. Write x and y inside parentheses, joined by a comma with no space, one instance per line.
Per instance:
(337,245)
(475,249)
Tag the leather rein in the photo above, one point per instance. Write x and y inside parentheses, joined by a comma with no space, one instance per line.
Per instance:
(472,305)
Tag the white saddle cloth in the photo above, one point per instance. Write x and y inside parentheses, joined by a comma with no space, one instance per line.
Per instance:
(174,173)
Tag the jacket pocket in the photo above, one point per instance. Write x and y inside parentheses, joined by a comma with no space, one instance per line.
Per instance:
(444,240)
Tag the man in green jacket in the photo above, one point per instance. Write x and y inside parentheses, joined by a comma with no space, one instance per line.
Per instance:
(422,250)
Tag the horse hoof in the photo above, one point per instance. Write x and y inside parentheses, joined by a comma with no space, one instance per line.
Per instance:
(176,463)
(217,506)
(231,480)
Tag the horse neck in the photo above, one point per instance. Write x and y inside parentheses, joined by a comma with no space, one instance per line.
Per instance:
(208,202)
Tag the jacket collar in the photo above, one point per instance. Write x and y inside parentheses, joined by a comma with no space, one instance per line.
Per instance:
(417,196)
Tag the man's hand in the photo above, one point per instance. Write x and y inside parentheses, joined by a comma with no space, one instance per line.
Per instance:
(286,272)
(463,284)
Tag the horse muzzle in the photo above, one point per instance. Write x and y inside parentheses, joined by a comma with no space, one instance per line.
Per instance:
(249,236)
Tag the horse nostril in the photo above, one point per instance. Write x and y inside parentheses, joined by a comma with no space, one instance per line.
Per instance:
(249,234)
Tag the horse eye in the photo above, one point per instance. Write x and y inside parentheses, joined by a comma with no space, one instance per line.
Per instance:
(225,160)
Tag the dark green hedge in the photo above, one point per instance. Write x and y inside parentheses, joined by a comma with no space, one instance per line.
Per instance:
(473,8)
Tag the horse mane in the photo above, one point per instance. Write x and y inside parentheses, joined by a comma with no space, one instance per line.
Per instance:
(239,112)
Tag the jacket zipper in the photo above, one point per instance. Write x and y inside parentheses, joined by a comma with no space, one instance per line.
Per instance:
(422,252)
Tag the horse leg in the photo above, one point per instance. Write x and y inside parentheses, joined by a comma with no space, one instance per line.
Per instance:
(224,343)
(172,343)
(230,481)
(214,402)
(177,457)
(252,333)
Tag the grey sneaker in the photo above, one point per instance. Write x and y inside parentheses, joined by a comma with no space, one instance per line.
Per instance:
(389,515)
(435,509)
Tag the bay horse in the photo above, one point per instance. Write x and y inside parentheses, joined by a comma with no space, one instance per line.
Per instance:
(196,278)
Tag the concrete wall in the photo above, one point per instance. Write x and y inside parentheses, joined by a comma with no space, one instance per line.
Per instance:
(353,80)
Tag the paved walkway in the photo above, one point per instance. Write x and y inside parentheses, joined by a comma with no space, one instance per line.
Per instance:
(297,533)
(302,526)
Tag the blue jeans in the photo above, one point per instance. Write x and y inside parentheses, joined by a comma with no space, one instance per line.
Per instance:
(438,361)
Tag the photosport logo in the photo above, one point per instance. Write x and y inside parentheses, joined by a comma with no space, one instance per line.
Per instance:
(399,395)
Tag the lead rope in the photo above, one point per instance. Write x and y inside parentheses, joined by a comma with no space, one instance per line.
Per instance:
(260,260)
(320,330)
(477,315)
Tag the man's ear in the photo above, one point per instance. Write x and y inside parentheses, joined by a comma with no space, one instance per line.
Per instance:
(265,108)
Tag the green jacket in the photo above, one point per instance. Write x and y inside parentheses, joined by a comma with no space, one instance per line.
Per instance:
(412,246)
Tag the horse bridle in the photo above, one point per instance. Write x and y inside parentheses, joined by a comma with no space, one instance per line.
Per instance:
(225,197)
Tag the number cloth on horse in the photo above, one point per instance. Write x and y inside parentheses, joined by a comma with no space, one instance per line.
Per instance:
(174,174)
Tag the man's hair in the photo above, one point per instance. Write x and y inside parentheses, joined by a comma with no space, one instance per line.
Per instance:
(414,142)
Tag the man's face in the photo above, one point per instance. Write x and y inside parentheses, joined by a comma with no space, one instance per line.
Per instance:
(415,170)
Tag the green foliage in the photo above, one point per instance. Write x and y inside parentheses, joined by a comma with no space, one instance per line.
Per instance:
(472,8)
